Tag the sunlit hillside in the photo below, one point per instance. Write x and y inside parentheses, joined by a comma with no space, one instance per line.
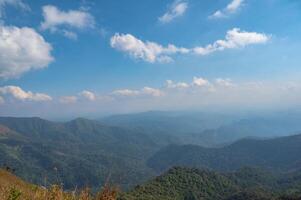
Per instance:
(14,188)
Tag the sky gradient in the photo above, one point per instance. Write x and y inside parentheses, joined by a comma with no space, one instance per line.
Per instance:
(74,58)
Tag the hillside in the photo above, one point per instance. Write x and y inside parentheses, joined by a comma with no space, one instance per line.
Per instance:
(194,184)
(8,181)
(280,154)
(77,153)
(14,188)
(180,184)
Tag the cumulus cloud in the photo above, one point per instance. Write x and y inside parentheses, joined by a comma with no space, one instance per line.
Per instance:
(231,8)
(63,22)
(147,51)
(153,52)
(16,3)
(18,93)
(81,96)
(68,99)
(22,50)
(177,9)
(200,82)
(235,38)
(88,95)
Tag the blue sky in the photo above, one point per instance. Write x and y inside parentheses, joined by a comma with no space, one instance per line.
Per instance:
(116,56)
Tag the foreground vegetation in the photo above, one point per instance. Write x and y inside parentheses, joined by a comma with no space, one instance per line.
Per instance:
(176,184)
(13,188)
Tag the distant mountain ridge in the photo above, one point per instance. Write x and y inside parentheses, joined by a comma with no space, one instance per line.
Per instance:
(207,129)
(279,154)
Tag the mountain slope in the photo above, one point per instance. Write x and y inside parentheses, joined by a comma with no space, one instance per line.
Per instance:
(280,154)
(10,182)
(182,183)
(77,153)
(193,184)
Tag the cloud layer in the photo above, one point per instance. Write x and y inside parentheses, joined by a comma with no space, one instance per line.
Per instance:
(177,9)
(198,93)
(22,50)
(153,52)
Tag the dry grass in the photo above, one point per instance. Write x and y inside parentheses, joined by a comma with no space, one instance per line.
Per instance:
(13,188)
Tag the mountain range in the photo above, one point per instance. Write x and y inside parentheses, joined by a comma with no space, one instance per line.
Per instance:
(127,150)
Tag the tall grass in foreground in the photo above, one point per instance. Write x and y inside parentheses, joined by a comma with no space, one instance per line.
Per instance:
(55,192)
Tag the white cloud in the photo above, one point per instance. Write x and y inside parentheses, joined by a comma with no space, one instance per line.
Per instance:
(125,92)
(146,91)
(88,95)
(22,50)
(60,21)
(152,52)
(15,3)
(152,92)
(234,5)
(68,99)
(83,95)
(231,8)
(235,38)
(200,82)
(18,93)
(180,85)
(177,9)
(147,51)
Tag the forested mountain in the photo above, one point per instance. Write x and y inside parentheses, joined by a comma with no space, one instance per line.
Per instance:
(79,152)
(194,184)
(279,154)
